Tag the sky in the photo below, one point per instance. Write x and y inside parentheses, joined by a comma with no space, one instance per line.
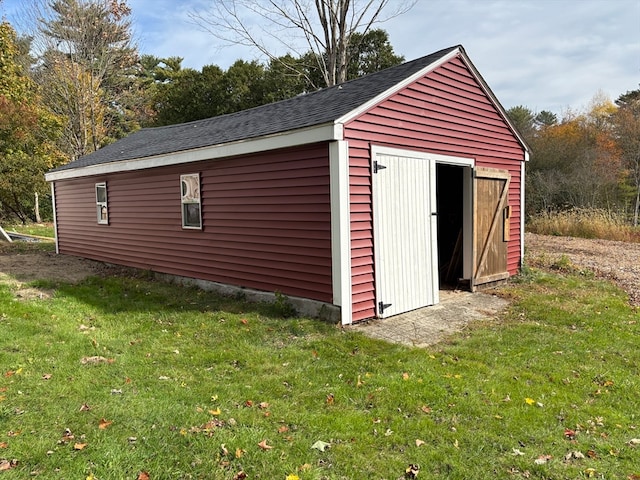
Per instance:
(554,55)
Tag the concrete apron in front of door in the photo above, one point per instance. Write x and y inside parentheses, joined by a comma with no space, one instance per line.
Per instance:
(429,325)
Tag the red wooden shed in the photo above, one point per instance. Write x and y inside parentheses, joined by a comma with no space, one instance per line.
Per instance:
(361,199)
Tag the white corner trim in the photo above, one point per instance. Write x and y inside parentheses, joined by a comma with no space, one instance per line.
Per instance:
(396,88)
(326,132)
(340,229)
(522,206)
(55,217)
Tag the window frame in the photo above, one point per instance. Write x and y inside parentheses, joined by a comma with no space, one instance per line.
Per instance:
(190,196)
(102,205)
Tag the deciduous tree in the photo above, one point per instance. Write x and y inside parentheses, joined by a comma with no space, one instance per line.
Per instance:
(325,28)
(28,133)
(88,67)
(626,122)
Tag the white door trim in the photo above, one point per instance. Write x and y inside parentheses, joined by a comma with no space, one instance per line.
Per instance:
(468,164)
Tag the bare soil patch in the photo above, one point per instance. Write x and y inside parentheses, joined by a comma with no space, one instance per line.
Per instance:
(615,261)
(18,269)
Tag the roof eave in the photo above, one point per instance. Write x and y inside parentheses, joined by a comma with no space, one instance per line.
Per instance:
(318,133)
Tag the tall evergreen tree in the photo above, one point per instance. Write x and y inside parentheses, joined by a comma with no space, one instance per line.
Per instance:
(88,71)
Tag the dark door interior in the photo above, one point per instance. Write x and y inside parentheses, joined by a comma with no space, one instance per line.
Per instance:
(449,194)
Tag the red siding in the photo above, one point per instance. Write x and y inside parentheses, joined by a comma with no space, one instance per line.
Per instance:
(266,219)
(448,113)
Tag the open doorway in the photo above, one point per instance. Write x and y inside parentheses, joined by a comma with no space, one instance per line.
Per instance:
(451,197)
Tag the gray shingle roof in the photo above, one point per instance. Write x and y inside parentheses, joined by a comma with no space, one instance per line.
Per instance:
(317,108)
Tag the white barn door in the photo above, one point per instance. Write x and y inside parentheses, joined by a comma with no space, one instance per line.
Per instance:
(405,231)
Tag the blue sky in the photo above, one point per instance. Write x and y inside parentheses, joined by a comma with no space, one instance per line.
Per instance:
(544,54)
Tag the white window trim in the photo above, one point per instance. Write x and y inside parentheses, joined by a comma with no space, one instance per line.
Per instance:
(102,205)
(190,197)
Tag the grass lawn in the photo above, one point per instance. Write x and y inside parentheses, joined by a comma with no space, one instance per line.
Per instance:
(36,229)
(127,378)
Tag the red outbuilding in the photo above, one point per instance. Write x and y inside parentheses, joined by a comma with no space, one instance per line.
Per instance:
(356,201)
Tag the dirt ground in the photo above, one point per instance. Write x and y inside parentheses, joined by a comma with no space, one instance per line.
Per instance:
(618,262)
(18,269)
(615,261)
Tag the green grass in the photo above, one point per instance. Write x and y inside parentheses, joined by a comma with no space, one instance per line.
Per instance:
(36,229)
(193,383)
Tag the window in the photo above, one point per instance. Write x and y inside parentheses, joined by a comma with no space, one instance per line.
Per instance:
(190,195)
(101,203)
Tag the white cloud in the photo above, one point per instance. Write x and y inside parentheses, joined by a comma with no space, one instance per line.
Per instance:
(544,54)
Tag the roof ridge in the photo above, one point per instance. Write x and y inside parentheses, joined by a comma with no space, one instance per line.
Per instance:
(309,94)
(311,109)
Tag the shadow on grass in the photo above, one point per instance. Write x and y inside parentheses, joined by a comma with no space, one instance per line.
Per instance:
(136,292)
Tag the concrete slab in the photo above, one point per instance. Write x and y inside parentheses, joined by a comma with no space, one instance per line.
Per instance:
(429,325)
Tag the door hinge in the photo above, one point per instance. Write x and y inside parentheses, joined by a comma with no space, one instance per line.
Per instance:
(383,306)
(377,166)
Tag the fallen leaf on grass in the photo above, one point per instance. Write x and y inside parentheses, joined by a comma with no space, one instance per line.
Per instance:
(47,376)
(419,442)
(425,409)
(143,476)
(569,434)
(634,442)
(239,452)
(4,444)
(330,399)
(283,429)
(263,405)
(529,401)
(542,459)
(292,476)
(412,471)
(95,360)
(79,446)
(104,424)
(321,446)
(590,472)
(67,436)
(8,464)
(240,475)
(263,445)
(574,456)
(85,407)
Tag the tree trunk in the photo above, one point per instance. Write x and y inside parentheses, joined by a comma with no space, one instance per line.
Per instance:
(37,208)
(637,209)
